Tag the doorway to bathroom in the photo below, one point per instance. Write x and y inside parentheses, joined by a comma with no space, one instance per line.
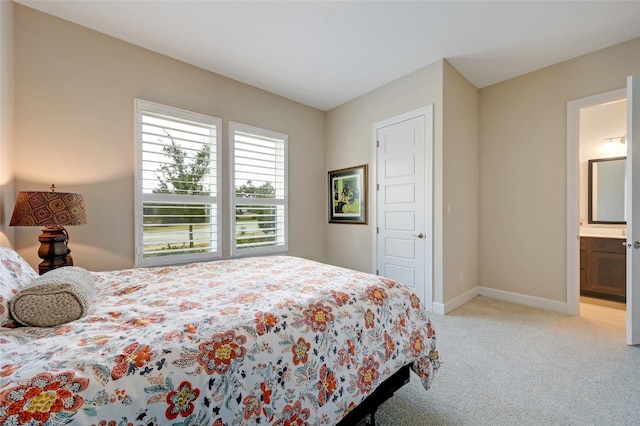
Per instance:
(600,124)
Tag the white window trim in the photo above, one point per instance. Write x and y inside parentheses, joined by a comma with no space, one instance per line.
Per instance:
(140,261)
(281,249)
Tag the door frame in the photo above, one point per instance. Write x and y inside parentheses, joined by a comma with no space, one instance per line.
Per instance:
(573,190)
(633,215)
(427,112)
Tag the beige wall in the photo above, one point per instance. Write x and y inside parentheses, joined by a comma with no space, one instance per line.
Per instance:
(74,123)
(461,173)
(349,140)
(7,193)
(455,172)
(75,90)
(523,169)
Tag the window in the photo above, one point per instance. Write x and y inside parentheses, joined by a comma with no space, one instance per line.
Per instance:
(178,181)
(259,162)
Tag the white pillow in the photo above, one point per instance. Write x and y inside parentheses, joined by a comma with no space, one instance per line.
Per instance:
(15,273)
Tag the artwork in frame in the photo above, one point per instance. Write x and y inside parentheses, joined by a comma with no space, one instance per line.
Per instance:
(348,195)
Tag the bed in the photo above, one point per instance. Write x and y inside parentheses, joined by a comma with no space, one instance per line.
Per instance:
(273,340)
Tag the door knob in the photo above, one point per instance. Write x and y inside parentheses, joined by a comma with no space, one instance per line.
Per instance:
(636,244)
(420,235)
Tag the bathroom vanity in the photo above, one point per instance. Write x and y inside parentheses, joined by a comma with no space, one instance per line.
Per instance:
(603,264)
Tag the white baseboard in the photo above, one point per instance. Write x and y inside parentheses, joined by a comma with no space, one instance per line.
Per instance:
(507,296)
(523,299)
(437,308)
(445,308)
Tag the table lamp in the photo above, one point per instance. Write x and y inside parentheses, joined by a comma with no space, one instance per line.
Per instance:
(54,211)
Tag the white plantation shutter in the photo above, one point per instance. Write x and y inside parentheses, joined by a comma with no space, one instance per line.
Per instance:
(177,200)
(259,161)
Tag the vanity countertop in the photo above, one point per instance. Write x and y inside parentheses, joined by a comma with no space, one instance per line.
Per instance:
(617,236)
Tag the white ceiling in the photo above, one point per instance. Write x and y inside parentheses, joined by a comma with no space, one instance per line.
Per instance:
(325,53)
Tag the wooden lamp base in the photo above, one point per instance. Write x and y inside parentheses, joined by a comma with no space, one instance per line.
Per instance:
(53,249)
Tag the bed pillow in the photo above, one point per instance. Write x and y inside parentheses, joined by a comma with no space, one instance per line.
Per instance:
(15,273)
(54,298)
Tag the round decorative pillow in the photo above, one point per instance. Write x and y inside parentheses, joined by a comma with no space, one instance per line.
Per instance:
(56,297)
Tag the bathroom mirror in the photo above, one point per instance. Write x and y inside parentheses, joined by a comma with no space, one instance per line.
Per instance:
(607,190)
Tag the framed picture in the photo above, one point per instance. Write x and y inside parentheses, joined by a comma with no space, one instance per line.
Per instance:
(348,195)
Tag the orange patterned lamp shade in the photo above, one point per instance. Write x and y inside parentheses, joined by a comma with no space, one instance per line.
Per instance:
(54,209)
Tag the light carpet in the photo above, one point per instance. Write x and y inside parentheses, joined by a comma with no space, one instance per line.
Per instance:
(509,364)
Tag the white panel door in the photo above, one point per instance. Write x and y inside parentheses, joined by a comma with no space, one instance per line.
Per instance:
(633,210)
(404,237)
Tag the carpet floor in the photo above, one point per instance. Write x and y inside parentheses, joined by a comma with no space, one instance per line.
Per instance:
(509,364)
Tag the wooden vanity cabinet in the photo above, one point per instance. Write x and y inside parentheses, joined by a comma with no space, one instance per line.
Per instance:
(603,268)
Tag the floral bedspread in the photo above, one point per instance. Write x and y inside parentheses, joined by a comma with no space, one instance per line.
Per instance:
(269,340)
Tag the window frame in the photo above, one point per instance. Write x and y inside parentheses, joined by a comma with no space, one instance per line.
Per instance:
(141,106)
(260,132)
